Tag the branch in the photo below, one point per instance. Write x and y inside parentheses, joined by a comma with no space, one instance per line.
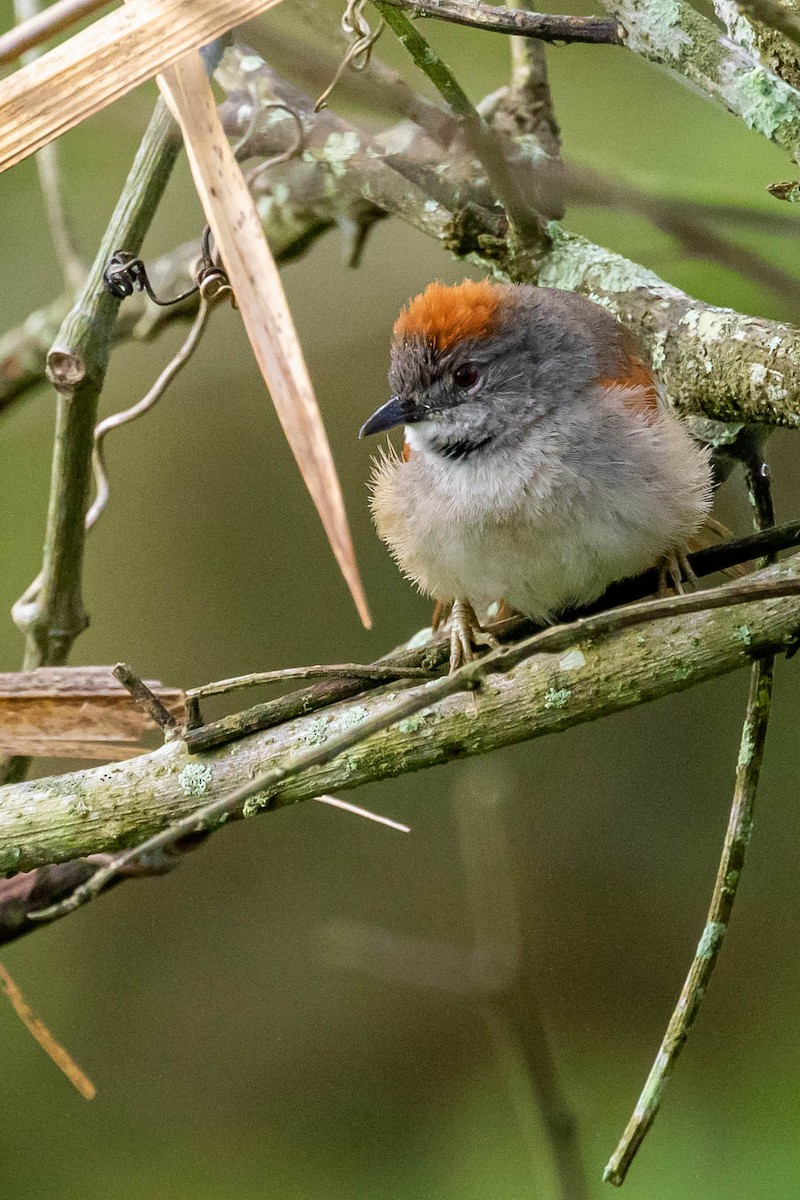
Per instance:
(677,37)
(578,674)
(544,26)
(729,872)
(770,29)
(433,654)
(51,612)
(47,165)
(54,615)
(733,855)
(715,363)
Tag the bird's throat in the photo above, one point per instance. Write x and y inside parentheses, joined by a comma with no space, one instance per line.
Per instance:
(449,446)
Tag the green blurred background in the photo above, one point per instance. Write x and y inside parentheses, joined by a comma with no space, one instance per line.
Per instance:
(236,1056)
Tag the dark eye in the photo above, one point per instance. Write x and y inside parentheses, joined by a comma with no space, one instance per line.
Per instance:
(465,376)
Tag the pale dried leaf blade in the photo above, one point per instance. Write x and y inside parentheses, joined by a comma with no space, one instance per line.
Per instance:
(231,213)
(107,60)
(76,712)
(38,1030)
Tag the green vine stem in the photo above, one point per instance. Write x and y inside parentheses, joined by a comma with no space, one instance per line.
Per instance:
(51,612)
(54,616)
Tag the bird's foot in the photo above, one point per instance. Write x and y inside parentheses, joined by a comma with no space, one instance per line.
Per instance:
(675,573)
(466,633)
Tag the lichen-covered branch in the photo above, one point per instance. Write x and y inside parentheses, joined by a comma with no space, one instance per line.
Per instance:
(54,820)
(715,363)
(769,29)
(675,35)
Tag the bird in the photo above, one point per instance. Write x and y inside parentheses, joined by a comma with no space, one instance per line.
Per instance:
(540,463)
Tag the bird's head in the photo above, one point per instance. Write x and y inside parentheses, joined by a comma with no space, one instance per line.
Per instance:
(479,366)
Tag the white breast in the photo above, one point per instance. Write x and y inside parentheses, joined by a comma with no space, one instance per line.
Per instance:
(542,530)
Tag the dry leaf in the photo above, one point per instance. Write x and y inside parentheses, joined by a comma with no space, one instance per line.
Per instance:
(75,712)
(240,240)
(112,56)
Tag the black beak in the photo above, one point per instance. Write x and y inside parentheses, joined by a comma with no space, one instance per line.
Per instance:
(397,411)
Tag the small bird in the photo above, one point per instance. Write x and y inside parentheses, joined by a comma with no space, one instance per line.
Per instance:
(540,462)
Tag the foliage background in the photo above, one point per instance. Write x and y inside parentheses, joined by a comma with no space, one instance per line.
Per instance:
(233,1059)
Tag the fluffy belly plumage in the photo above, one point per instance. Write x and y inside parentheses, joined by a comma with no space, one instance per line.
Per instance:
(542,556)
(539,568)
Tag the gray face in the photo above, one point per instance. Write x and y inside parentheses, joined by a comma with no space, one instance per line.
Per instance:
(486,393)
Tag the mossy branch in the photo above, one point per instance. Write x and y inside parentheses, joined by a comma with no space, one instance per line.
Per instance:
(673,34)
(54,820)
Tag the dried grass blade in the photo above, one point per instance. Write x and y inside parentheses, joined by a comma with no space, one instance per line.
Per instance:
(38,1030)
(240,240)
(107,60)
(75,712)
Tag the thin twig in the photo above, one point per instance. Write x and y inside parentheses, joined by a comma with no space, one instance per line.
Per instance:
(47,164)
(371,671)
(146,699)
(737,838)
(358,811)
(39,27)
(29,891)
(38,1030)
(484,144)
(731,863)
(77,365)
(468,678)
(544,26)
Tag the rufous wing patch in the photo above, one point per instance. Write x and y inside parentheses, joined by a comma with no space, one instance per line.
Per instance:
(447,314)
(640,392)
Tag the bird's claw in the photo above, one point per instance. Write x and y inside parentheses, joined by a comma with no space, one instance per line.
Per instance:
(675,572)
(466,633)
